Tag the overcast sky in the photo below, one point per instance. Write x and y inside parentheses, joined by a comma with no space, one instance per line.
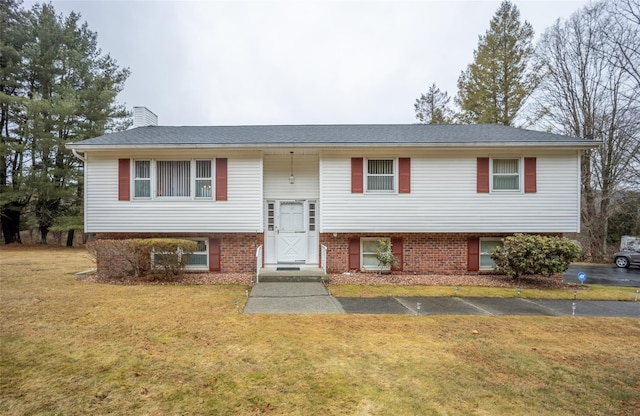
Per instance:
(293,62)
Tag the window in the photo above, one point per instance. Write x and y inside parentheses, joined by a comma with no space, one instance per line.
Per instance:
(506,174)
(486,247)
(312,216)
(368,251)
(203,179)
(142,179)
(199,259)
(380,175)
(271,215)
(173,179)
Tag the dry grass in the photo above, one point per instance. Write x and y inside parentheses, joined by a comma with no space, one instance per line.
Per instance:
(583,292)
(75,348)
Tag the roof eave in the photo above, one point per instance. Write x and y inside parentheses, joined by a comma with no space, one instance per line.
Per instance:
(106,147)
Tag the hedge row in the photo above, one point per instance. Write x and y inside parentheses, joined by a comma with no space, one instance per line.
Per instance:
(154,258)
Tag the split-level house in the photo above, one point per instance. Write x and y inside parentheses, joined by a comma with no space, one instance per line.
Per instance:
(323,195)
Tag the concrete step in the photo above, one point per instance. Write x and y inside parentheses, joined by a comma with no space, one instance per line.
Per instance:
(288,276)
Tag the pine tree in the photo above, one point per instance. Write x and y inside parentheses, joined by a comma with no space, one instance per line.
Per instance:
(433,107)
(66,90)
(495,86)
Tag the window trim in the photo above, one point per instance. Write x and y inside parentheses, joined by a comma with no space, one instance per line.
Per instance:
(134,179)
(153,180)
(365,176)
(483,253)
(520,175)
(364,267)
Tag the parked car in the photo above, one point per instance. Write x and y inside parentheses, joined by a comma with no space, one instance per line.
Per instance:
(626,258)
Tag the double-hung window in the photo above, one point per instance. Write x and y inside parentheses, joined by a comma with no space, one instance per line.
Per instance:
(380,175)
(369,251)
(203,179)
(199,259)
(486,247)
(506,174)
(142,179)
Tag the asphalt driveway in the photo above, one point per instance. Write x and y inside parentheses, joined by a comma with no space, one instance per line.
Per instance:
(603,275)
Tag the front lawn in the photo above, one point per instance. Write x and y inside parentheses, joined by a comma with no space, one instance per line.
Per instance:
(75,348)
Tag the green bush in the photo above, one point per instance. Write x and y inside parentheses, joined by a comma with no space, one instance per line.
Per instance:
(524,254)
(159,258)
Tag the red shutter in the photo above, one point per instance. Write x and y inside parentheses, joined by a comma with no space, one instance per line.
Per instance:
(482,179)
(404,175)
(214,254)
(357,167)
(221,179)
(124,180)
(473,254)
(354,254)
(397,249)
(530,175)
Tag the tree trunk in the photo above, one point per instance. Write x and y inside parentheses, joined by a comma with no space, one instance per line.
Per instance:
(10,219)
(70,234)
(43,232)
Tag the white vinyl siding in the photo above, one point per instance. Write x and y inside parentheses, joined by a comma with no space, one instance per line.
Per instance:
(276,176)
(241,212)
(444,195)
(505,174)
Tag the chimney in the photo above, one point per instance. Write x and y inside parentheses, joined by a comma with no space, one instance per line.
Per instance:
(143,117)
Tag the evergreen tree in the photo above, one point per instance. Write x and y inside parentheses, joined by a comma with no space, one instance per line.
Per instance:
(67,90)
(495,86)
(433,107)
(14,195)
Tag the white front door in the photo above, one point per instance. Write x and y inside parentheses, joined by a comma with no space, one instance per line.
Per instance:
(291,232)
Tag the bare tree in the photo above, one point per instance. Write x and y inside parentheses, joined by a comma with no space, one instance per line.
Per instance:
(589,91)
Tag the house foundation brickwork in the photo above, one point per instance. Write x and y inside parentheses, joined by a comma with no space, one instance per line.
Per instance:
(422,253)
(237,250)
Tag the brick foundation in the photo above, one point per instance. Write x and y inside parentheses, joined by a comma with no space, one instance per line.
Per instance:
(237,250)
(422,253)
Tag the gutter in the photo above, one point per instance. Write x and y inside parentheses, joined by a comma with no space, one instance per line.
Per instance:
(259,146)
(78,155)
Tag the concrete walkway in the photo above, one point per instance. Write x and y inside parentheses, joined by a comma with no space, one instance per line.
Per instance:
(313,298)
(294,298)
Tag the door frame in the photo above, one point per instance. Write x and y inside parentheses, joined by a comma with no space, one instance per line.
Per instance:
(272,209)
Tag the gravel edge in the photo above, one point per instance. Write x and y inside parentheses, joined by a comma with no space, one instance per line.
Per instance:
(248,279)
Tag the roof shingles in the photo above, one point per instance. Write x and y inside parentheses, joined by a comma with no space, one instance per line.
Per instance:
(323,135)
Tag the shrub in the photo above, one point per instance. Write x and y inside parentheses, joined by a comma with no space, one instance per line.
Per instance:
(170,255)
(523,254)
(384,253)
(133,257)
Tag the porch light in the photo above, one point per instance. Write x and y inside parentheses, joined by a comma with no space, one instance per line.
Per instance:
(292,179)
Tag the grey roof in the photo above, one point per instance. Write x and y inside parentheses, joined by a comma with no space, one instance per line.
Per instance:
(329,135)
